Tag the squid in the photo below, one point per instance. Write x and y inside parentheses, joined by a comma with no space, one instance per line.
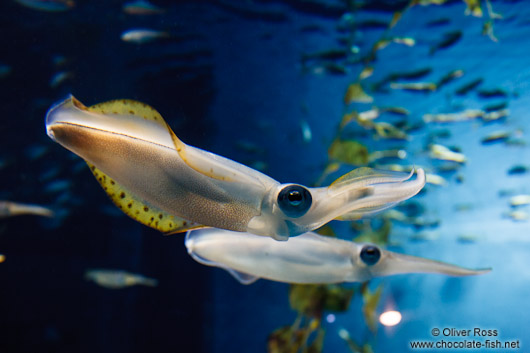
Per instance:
(160,181)
(306,259)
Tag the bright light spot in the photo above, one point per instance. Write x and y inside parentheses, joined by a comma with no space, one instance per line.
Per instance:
(2,258)
(390,318)
(330,318)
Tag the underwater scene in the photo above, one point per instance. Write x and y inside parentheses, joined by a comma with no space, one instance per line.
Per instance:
(277,176)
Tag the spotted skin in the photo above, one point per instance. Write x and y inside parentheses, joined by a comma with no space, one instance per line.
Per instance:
(138,210)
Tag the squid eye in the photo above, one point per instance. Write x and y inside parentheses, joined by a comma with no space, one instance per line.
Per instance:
(370,254)
(294,200)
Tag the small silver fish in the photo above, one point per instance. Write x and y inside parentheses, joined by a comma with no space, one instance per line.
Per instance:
(142,36)
(408,41)
(518,215)
(58,185)
(36,151)
(117,279)
(306,131)
(376,155)
(519,200)
(60,77)
(141,7)
(467,238)
(369,114)
(10,209)
(445,154)
(414,86)
(435,179)
(48,5)
(496,115)
(468,114)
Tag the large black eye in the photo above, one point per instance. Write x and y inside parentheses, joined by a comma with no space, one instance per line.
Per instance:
(370,254)
(294,200)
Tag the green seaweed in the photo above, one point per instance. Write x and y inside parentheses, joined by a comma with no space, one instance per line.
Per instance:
(378,236)
(349,151)
(311,300)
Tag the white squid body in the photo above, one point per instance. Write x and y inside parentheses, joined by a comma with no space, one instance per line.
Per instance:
(307,258)
(155,178)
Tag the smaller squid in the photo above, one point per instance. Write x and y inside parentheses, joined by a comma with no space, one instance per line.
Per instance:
(160,181)
(308,258)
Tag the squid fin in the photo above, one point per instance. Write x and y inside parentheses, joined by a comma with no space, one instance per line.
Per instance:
(125,107)
(243,278)
(201,161)
(138,210)
(137,109)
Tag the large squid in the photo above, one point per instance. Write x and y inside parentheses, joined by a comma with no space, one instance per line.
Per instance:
(155,178)
(307,258)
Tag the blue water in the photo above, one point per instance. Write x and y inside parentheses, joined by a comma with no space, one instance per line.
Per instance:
(237,79)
